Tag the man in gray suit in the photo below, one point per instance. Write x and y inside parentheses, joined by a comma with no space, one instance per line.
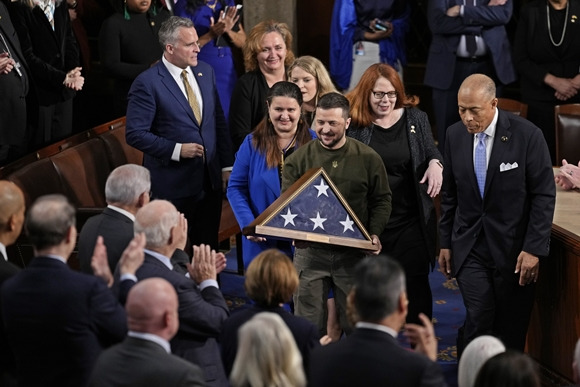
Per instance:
(144,358)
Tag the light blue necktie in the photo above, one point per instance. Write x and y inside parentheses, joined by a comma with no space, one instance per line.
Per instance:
(480,165)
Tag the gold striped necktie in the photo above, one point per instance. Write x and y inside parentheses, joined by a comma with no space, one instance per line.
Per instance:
(191,97)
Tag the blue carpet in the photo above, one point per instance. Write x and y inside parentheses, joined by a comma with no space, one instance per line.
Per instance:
(448,311)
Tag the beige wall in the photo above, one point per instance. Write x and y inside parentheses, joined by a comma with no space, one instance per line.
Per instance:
(256,11)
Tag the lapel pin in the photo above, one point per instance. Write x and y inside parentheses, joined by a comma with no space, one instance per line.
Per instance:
(574,17)
(504,138)
(199,74)
(413,129)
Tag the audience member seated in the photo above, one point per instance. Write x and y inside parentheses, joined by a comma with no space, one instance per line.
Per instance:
(271,280)
(569,176)
(313,80)
(371,355)
(126,190)
(267,355)
(202,308)
(128,45)
(255,180)
(474,356)
(144,358)
(215,23)
(12,209)
(267,52)
(508,369)
(57,320)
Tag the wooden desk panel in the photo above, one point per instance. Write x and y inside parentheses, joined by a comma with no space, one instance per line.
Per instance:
(555,323)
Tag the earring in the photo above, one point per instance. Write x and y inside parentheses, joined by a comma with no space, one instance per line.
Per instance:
(126,12)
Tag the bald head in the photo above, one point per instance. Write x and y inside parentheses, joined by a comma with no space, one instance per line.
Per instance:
(480,84)
(156,220)
(477,102)
(11,212)
(152,308)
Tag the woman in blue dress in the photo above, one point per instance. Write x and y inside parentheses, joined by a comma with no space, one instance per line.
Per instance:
(216,24)
(256,176)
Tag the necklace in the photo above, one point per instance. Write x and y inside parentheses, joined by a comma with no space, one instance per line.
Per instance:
(550,27)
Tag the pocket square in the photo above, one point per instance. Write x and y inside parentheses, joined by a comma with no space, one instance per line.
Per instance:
(507,166)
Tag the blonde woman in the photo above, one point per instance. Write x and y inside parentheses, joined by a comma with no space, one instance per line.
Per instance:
(267,355)
(314,81)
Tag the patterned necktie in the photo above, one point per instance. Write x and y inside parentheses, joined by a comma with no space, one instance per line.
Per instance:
(48,8)
(191,97)
(480,161)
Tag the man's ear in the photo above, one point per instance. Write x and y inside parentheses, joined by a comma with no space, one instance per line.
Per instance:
(403,303)
(142,199)
(347,123)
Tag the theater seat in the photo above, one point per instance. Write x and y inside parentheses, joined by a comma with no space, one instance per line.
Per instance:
(513,106)
(567,132)
(118,152)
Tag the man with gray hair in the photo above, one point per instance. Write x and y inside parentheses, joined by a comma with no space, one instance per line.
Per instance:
(202,308)
(126,190)
(58,320)
(175,118)
(371,355)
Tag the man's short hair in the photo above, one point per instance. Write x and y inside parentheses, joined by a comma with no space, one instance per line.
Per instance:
(333,101)
(170,29)
(126,183)
(48,221)
(378,284)
(156,225)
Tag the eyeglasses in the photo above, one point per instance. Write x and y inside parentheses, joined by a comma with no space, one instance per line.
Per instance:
(381,94)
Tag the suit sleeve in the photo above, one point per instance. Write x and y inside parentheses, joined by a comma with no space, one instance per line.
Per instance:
(440,23)
(488,16)
(200,313)
(541,190)
(448,197)
(240,112)
(141,110)
(224,140)
(427,141)
(107,314)
(432,376)
(238,186)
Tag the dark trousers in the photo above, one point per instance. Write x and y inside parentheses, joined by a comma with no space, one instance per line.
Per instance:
(445,100)
(54,122)
(203,213)
(495,305)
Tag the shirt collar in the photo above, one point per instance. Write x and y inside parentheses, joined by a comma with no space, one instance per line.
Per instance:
(174,70)
(122,211)
(151,337)
(56,257)
(166,261)
(3,251)
(377,327)
(490,130)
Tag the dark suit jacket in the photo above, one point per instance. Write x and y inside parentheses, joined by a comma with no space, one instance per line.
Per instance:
(159,116)
(137,362)
(305,333)
(116,230)
(57,322)
(370,358)
(49,54)
(13,88)
(248,106)
(201,316)
(7,270)
(489,22)
(516,211)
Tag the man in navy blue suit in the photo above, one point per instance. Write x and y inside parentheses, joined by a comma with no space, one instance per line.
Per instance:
(57,320)
(469,37)
(174,116)
(497,206)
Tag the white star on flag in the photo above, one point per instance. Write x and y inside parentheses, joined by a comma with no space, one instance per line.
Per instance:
(318,221)
(322,188)
(347,224)
(289,218)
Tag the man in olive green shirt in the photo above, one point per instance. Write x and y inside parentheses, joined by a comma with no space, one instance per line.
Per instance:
(361,178)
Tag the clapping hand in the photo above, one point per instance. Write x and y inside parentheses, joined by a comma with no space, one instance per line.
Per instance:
(74,80)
